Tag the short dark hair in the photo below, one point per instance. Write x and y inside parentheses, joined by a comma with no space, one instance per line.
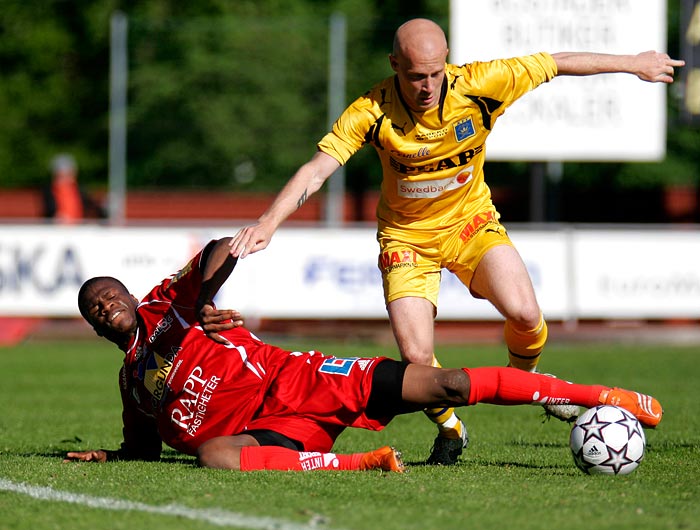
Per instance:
(89,283)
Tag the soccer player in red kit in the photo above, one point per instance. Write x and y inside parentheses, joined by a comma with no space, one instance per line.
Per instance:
(197,380)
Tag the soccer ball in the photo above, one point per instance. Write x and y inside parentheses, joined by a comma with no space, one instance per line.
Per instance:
(607,440)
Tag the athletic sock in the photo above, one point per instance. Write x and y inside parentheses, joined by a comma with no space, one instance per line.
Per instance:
(510,386)
(449,425)
(525,345)
(254,458)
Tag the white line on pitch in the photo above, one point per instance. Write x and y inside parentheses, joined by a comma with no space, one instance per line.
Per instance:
(214,516)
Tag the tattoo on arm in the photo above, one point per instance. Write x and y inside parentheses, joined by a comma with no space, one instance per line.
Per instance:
(302,199)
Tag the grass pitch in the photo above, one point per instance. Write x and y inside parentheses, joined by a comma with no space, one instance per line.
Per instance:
(516,473)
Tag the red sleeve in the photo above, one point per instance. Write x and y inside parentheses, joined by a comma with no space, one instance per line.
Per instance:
(141,438)
(183,287)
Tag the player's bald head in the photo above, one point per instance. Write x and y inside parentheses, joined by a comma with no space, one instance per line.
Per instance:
(419,36)
(418,58)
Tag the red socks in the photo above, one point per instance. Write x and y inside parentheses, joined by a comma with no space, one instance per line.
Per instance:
(271,457)
(510,386)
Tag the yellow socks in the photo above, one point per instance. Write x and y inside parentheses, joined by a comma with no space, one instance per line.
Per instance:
(525,345)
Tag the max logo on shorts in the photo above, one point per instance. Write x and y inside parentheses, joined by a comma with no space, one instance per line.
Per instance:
(478,222)
(398,258)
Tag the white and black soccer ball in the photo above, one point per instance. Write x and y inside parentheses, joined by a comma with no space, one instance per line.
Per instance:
(607,440)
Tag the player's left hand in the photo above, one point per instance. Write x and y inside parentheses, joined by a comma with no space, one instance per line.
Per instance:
(99,455)
(656,67)
(215,320)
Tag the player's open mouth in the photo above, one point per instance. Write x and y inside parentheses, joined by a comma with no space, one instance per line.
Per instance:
(115,315)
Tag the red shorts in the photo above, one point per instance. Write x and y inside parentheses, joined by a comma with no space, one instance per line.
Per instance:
(314,398)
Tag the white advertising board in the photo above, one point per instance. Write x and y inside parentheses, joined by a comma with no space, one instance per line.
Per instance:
(42,268)
(332,273)
(318,273)
(601,117)
(636,274)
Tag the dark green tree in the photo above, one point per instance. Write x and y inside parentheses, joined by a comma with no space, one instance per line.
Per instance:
(233,96)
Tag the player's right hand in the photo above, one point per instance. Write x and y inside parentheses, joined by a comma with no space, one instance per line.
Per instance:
(250,239)
(214,321)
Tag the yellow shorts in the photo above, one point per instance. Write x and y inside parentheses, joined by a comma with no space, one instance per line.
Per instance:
(411,260)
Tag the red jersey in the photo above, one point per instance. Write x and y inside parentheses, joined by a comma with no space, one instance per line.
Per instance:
(183,388)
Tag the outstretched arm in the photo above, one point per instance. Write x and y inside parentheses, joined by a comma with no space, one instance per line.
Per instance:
(141,439)
(649,66)
(216,268)
(104,455)
(306,181)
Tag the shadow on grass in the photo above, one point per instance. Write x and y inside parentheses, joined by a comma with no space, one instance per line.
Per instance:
(546,445)
(488,463)
(523,465)
(659,445)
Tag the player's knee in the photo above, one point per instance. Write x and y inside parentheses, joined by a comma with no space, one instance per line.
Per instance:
(415,355)
(206,454)
(527,316)
(216,453)
(455,384)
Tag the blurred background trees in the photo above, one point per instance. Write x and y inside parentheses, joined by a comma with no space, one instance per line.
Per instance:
(232,96)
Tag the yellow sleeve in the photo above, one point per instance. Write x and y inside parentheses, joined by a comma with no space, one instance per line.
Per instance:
(508,79)
(350,130)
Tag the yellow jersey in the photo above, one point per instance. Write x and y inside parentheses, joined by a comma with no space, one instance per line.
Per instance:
(432,162)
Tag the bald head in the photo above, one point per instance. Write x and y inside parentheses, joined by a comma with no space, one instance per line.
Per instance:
(420,36)
(418,58)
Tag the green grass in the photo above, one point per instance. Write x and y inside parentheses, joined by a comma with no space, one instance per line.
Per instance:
(517,472)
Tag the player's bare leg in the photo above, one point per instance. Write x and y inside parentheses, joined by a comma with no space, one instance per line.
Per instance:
(502,278)
(412,321)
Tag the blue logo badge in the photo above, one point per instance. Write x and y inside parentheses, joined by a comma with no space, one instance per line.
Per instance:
(464,129)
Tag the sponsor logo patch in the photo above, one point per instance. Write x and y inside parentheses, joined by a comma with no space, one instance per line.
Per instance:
(156,373)
(593,451)
(477,224)
(428,189)
(190,408)
(396,259)
(464,129)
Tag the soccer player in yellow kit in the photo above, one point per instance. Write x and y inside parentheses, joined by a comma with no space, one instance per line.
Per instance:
(428,124)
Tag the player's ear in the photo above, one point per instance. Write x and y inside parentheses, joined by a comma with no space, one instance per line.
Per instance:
(393,62)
